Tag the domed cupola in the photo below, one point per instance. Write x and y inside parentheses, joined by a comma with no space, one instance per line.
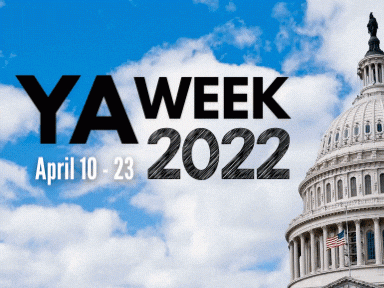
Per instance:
(363,123)
(338,239)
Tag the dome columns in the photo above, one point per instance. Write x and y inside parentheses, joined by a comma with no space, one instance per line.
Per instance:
(371,70)
(313,262)
(325,236)
(341,248)
(296,258)
(377,240)
(358,243)
(302,257)
(309,255)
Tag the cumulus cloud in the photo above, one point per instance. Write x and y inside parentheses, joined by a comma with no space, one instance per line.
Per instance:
(15,182)
(342,29)
(65,246)
(19,115)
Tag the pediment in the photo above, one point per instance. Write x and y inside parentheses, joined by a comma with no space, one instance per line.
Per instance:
(348,282)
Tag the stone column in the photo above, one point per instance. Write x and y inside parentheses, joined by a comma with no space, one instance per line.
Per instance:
(321,253)
(377,74)
(291,257)
(302,257)
(296,258)
(326,260)
(370,74)
(358,243)
(382,73)
(377,241)
(333,257)
(313,262)
(341,248)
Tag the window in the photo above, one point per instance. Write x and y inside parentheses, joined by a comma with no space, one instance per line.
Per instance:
(373,73)
(367,129)
(329,192)
(337,137)
(346,133)
(340,189)
(367,180)
(381,183)
(379,127)
(353,187)
(370,245)
(329,139)
(352,247)
(318,264)
(319,197)
(356,130)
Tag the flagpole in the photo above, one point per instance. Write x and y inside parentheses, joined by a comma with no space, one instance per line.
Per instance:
(349,255)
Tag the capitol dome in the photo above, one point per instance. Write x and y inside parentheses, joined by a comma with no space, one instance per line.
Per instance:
(343,193)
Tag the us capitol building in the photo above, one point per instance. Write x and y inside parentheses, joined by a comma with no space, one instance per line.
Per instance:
(345,187)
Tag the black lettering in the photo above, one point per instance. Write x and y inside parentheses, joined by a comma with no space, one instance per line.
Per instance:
(201,98)
(103,88)
(259,98)
(48,105)
(162,91)
(230,98)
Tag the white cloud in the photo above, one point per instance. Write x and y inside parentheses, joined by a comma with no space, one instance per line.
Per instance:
(235,33)
(230,7)
(284,37)
(19,115)
(2,3)
(14,182)
(212,4)
(342,29)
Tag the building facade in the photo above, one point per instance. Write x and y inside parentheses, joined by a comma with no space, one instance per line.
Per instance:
(344,191)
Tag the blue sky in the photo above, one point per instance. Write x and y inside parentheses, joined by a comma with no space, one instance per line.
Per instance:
(162,233)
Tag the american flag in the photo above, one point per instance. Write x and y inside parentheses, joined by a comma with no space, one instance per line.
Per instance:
(336,241)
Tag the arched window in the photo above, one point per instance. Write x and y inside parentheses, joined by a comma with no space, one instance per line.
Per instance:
(367,128)
(379,127)
(356,130)
(370,245)
(367,180)
(352,245)
(329,139)
(337,136)
(353,187)
(346,133)
(339,189)
(381,183)
(328,193)
(319,197)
